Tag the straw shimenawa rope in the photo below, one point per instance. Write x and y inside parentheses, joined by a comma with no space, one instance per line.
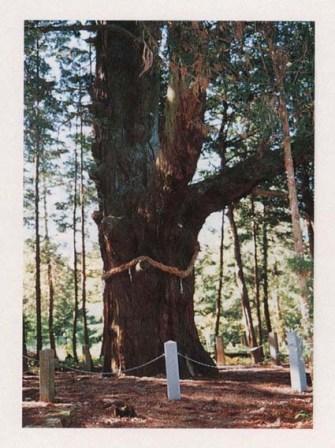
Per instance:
(156,264)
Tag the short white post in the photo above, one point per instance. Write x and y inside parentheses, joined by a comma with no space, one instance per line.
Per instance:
(47,375)
(274,349)
(172,370)
(297,365)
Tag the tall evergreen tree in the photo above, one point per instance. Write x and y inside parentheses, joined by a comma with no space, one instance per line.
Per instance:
(219,291)
(40,111)
(245,301)
(280,61)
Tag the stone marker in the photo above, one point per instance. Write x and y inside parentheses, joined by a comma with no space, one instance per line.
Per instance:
(47,375)
(297,365)
(220,358)
(274,348)
(172,370)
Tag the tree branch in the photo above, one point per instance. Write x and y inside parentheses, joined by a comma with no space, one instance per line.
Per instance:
(214,193)
(184,129)
(269,193)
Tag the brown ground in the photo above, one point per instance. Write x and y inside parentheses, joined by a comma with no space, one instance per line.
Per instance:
(241,398)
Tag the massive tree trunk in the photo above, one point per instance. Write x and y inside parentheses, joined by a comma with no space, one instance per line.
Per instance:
(246,309)
(141,182)
(147,204)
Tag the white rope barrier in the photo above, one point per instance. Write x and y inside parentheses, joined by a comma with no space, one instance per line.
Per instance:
(141,365)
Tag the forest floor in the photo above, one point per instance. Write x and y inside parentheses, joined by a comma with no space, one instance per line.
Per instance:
(242,397)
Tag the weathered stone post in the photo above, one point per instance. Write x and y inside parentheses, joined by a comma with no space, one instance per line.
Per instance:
(297,365)
(47,375)
(172,370)
(220,358)
(274,348)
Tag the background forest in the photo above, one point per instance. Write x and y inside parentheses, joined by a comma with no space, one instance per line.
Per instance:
(260,95)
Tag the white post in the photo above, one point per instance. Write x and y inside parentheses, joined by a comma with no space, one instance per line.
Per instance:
(297,365)
(172,370)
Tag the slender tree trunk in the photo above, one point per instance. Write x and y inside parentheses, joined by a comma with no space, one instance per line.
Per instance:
(108,332)
(297,233)
(49,273)
(246,309)
(310,229)
(280,325)
(219,292)
(276,298)
(256,272)
(83,247)
(279,60)
(38,295)
(24,346)
(75,256)
(309,204)
(265,276)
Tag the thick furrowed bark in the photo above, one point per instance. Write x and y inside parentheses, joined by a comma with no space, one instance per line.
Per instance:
(144,307)
(184,128)
(148,308)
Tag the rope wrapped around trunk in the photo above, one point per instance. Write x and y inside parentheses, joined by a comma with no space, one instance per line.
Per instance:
(156,264)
